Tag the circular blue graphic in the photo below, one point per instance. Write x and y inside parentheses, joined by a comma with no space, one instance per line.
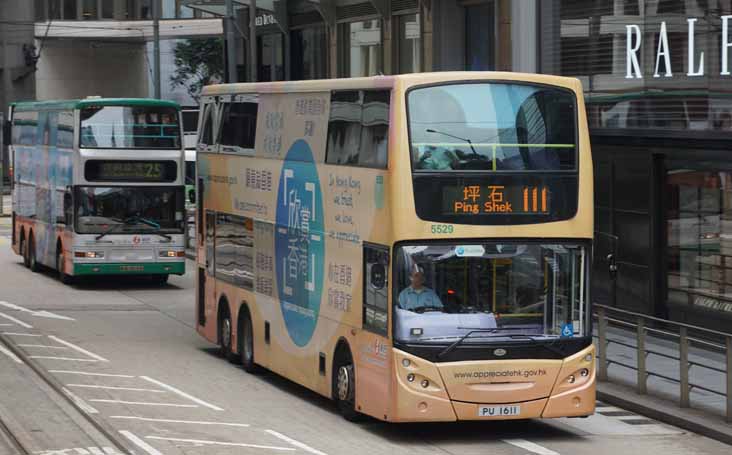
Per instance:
(299,243)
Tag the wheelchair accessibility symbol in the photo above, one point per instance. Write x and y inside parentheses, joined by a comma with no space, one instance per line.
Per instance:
(567,331)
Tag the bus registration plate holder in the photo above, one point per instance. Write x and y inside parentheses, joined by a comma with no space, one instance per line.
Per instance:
(504,410)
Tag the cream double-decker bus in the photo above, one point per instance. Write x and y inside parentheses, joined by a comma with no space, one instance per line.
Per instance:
(416,247)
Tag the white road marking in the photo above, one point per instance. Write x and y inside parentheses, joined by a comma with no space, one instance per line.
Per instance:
(295,443)
(77,348)
(80,402)
(41,313)
(41,346)
(181,393)
(5,324)
(84,373)
(140,443)
(16,334)
(109,387)
(10,354)
(192,422)
(17,321)
(530,446)
(144,403)
(218,443)
(70,359)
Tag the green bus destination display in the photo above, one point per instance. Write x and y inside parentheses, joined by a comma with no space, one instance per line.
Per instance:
(130,171)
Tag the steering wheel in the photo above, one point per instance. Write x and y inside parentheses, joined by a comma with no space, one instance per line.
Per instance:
(426,309)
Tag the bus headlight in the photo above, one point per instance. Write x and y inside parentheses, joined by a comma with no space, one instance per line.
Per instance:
(89,254)
(172,254)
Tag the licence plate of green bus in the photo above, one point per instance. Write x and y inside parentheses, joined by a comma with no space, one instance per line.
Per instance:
(499,411)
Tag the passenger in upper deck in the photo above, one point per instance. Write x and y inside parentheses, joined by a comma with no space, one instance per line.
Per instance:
(417,297)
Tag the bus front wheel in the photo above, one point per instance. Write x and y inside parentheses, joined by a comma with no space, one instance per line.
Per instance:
(344,385)
(62,275)
(160,279)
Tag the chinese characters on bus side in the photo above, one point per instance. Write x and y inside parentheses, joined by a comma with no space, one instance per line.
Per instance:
(341,279)
(258,179)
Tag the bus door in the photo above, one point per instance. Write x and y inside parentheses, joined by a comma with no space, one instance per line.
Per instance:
(374,356)
(207,278)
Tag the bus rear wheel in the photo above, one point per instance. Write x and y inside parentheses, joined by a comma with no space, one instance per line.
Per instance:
(246,345)
(225,335)
(344,387)
(32,261)
(24,251)
(60,264)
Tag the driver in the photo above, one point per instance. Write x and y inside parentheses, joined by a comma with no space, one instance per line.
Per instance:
(416,295)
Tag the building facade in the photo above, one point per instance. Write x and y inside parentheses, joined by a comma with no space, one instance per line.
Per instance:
(659,94)
(17,57)
(105,47)
(309,39)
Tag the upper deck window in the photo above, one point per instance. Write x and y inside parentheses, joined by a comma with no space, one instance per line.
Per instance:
(358,129)
(130,127)
(492,127)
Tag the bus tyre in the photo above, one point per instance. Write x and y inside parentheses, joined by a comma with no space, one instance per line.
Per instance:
(24,252)
(32,262)
(62,275)
(225,336)
(344,385)
(246,345)
(161,279)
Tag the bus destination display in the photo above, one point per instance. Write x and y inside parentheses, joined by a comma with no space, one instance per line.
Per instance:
(495,200)
(132,171)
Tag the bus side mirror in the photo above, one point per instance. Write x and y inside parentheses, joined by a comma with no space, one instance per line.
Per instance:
(378,276)
(6,132)
(67,201)
(192,196)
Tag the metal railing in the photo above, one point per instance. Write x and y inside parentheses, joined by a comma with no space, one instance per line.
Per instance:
(663,329)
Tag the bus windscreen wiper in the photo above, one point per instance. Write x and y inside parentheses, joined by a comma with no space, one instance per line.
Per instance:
(132,220)
(471,331)
(150,223)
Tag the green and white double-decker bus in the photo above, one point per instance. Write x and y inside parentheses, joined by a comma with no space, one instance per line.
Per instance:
(98,186)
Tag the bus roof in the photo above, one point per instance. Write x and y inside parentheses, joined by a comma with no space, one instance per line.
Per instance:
(55,105)
(385,82)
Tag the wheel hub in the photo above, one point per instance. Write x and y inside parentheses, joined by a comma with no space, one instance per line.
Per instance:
(226,332)
(247,342)
(343,382)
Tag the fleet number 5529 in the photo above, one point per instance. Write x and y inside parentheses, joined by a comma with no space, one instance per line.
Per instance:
(442,229)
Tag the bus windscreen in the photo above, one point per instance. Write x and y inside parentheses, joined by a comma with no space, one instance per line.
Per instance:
(129,127)
(490,126)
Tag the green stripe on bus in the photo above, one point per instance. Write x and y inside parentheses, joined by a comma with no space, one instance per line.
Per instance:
(135,268)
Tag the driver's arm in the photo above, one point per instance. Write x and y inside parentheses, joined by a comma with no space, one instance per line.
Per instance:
(435,300)
(403,299)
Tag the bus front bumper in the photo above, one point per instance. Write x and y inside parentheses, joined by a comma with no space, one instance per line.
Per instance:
(134,268)
(489,390)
